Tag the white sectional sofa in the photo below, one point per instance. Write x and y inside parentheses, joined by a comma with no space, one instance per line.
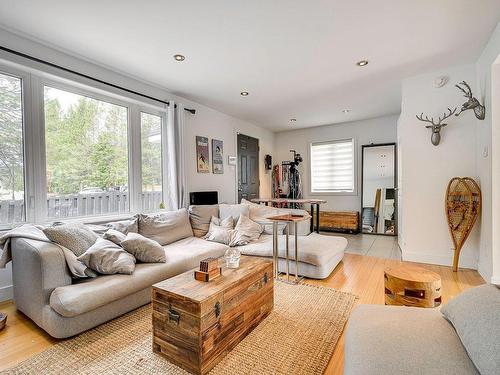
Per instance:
(45,291)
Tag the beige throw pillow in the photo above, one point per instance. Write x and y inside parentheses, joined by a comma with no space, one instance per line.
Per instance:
(114,236)
(233,210)
(200,216)
(144,249)
(75,237)
(166,227)
(108,258)
(125,226)
(248,228)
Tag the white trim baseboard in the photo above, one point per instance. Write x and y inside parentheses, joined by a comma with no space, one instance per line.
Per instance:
(495,280)
(439,259)
(6,293)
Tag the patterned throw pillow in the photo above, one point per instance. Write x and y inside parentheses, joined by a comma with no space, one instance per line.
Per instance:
(75,237)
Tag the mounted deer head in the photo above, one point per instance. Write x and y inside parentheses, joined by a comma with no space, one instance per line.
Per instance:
(471,103)
(436,126)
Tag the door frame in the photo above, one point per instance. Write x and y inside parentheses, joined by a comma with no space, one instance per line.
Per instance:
(396,225)
(237,167)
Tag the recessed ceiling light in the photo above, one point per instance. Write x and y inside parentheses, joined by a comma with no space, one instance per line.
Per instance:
(293,120)
(244,93)
(362,63)
(179,57)
(346,110)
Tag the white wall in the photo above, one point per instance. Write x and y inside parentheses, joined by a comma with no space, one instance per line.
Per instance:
(214,124)
(485,150)
(206,122)
(377,130)
(427,169)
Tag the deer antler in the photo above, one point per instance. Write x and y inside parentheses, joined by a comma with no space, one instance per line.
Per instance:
(468,92)
(421,118)
(440,119)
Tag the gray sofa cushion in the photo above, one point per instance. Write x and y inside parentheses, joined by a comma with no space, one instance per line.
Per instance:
(166,227)
(200,216)
(475,314)
(125,226)
(381,340)
(183,255)
(143,249)
(314,249)
(108,258)
(75,237)
(233,210)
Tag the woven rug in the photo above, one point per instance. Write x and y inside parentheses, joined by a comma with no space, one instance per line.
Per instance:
(298,337)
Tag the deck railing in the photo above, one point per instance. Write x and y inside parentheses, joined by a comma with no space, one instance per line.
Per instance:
(74,205)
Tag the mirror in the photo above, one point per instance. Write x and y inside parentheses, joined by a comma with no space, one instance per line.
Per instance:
(378,198)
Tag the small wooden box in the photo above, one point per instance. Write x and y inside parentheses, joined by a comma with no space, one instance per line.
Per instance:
(196,323)
(342,221)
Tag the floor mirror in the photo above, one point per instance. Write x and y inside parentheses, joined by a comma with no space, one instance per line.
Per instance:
(378,197)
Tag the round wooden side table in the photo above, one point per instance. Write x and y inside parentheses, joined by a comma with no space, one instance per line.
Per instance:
(408,285)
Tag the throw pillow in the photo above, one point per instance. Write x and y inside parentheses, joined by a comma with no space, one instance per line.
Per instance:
(474,315)
(166,227)
(114,236)
(125,226)
(233,210)
(200,215)
(248,228)
(108,258)
(75,237)
(144,249)
(226,223)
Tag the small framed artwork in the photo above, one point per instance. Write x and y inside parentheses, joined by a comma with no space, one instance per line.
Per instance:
(202,160)
(217,156)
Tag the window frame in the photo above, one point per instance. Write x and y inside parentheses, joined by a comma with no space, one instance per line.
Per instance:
(354,192)
(35,177)
(163,134)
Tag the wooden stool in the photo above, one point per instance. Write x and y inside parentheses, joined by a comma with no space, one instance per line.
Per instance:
(408,285)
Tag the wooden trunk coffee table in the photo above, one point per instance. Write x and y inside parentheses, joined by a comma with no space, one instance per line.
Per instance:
(410,285)
(196,323)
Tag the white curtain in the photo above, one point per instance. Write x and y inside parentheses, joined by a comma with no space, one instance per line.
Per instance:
(174,179)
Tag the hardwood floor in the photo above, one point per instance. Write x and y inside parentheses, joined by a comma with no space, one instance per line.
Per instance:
(358,274)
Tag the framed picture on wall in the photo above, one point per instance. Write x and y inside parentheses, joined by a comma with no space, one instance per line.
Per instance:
(217,156)
(202,160)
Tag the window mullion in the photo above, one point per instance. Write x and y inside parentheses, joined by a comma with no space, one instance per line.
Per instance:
(135,164)
(37,177)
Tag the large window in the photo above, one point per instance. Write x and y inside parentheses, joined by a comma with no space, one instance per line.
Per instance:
(70,150)
(12,207)
(86,155)
(332,167)
(151,161)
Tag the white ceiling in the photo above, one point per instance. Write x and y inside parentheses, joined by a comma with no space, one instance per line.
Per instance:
(295,57)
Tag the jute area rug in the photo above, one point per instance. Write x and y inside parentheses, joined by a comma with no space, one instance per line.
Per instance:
(298,337)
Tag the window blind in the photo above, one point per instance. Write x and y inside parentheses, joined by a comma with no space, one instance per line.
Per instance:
(332,166)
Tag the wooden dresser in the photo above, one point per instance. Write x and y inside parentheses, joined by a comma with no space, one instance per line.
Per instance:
(341,221)
(196,323)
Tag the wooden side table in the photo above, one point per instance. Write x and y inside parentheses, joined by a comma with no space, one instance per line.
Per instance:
(287,219)
(409,285)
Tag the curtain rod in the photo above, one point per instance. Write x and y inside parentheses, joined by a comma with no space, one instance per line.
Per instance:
(190,110)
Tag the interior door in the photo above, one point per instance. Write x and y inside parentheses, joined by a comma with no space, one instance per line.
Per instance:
(248,167)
